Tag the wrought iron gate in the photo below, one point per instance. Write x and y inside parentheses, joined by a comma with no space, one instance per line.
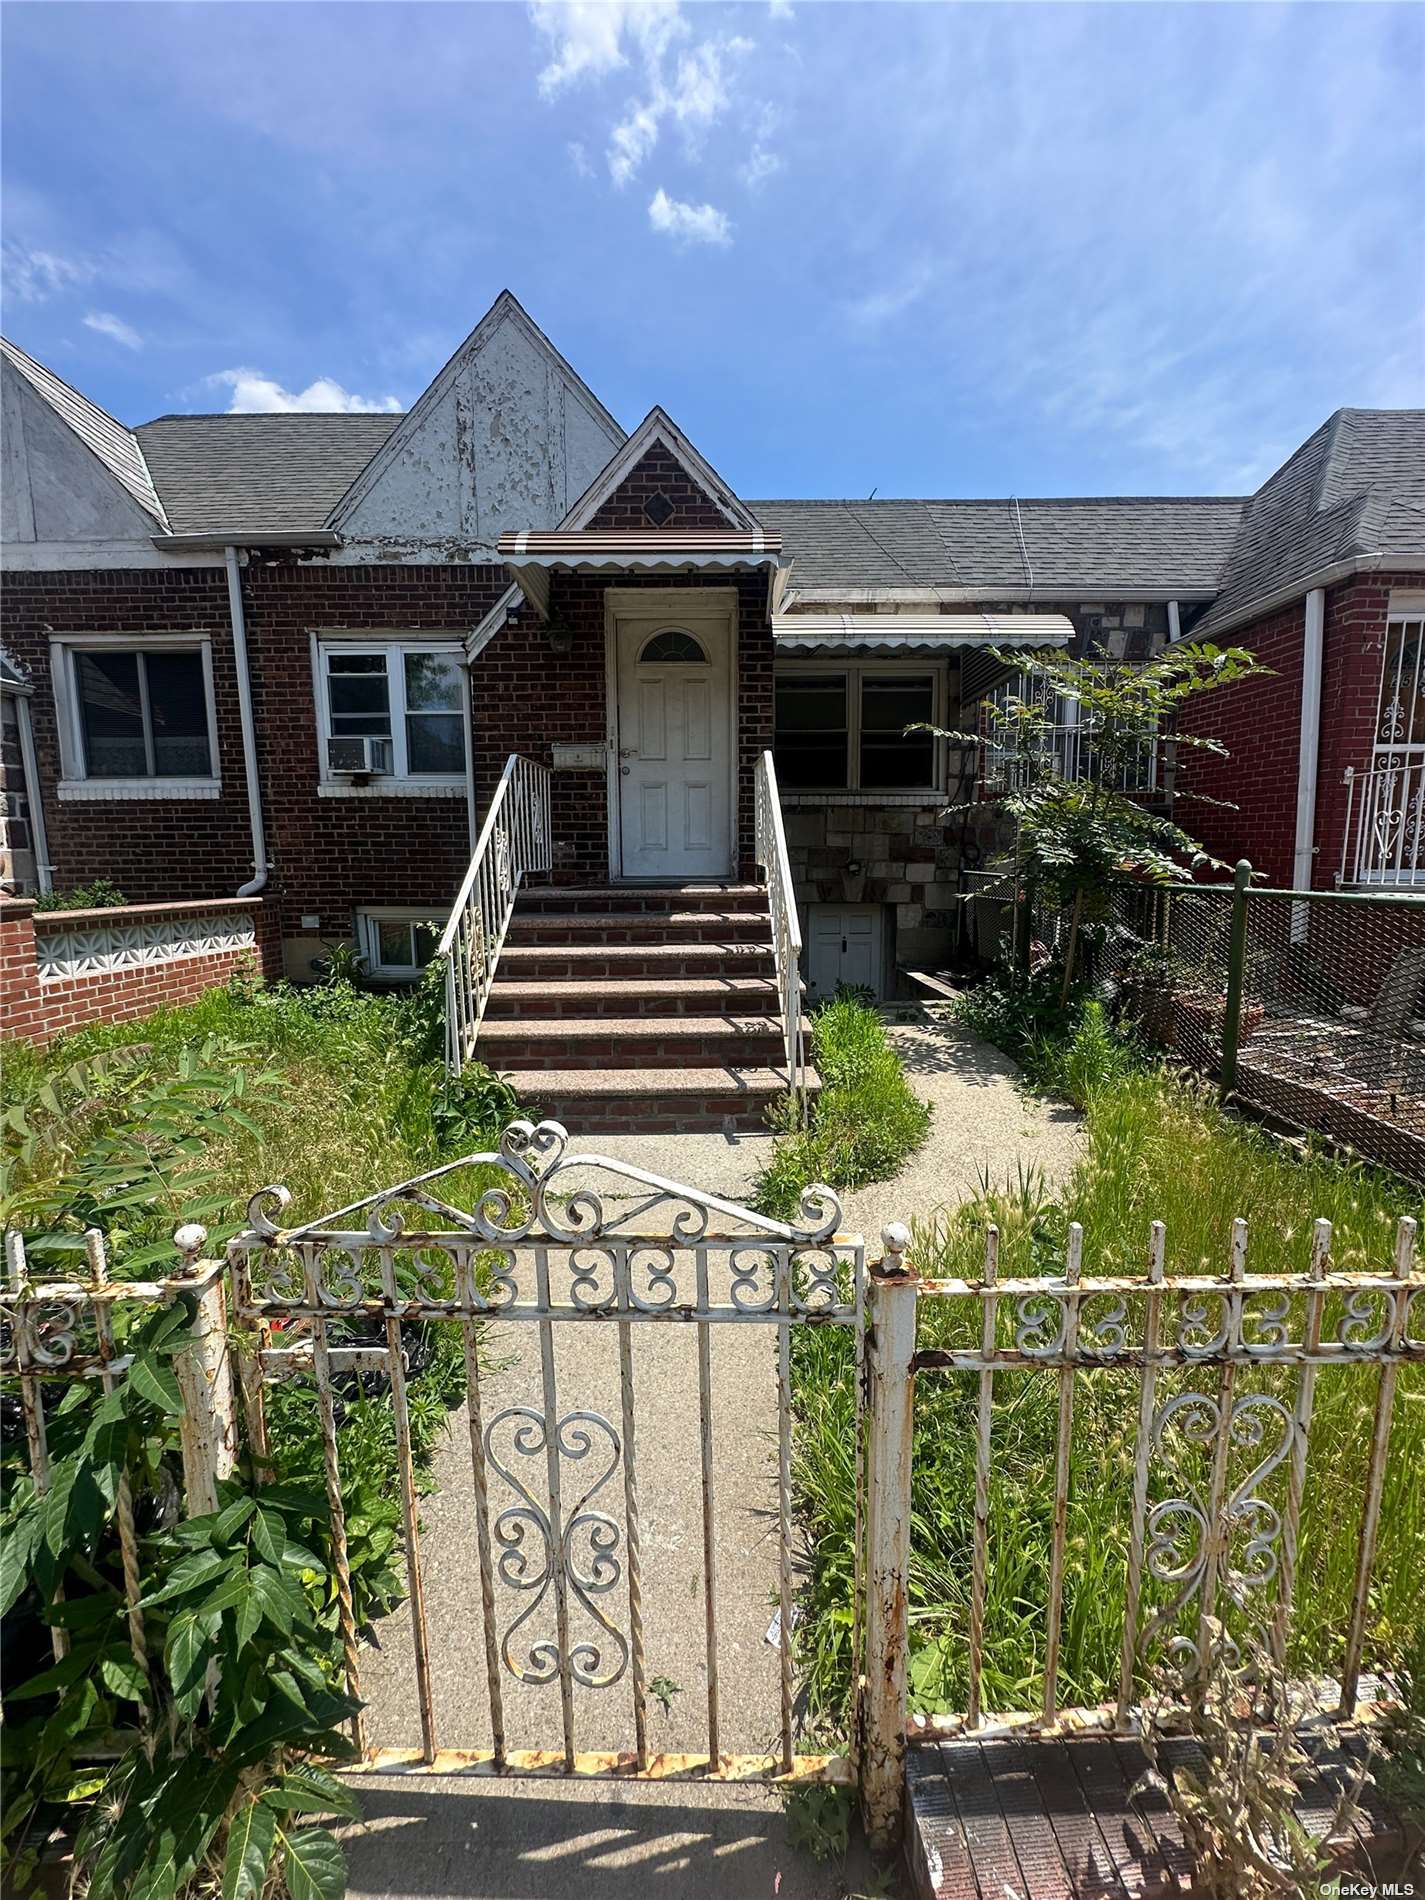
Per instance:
(533,1234)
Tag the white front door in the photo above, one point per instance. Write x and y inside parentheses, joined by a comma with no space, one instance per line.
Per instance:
(675,746)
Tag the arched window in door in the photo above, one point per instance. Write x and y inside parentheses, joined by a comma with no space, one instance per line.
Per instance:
(673,647)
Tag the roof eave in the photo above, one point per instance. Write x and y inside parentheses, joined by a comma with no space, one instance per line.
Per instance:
(1308,583)
(1045,593)
(246,538)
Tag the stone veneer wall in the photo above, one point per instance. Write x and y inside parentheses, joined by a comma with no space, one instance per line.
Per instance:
(908,855)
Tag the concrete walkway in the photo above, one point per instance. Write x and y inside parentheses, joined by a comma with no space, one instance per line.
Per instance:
(495,1841)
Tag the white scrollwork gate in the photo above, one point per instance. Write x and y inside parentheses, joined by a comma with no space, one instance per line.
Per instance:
(534,1234)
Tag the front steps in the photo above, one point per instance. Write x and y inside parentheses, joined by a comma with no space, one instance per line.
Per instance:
(630,1009)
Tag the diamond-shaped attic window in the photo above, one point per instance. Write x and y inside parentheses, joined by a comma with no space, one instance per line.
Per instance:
(658,510)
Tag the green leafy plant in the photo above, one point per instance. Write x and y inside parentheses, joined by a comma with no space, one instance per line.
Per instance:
(98,895)
(124,1142)
(1076,834)
(663,1689)
(237,1687)
(819,1819)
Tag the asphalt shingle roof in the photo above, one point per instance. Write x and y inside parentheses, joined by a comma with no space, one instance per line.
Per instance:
(108,439)
(283,474)
(1091,546)
(1357,486)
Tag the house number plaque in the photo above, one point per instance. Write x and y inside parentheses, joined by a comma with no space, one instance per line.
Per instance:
(579,758)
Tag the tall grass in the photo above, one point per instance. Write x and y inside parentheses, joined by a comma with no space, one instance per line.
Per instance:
(1157,1148)
(865,1122)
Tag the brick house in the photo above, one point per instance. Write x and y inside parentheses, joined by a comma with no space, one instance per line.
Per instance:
(286,657)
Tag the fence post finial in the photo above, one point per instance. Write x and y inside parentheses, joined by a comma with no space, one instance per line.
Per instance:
(190,1240)
(895,1238)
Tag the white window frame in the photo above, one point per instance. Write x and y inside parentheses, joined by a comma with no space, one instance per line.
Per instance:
(854,672)
(75,782)
(400,782)
(369,919)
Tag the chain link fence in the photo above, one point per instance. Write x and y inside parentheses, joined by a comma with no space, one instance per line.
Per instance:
(1309,1006)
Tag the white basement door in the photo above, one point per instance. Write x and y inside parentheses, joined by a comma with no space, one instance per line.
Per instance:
(844,946)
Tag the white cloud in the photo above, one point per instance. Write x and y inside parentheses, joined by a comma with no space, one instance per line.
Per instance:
(589,39)
(33,276)
(587,36)
(255,394)
(889,300)
(780,9)
(107,324)
(688,224)
(579,158)
(761,163)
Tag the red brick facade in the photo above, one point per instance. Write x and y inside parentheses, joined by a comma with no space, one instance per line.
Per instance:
(1260,724)
(38,1009)
(659,474)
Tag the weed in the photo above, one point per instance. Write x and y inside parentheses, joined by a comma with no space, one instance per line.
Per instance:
(98,895)
(663,1689)
(865,1123)
(819,1820)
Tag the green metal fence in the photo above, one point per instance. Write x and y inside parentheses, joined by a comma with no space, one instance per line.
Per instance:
(1306,1005)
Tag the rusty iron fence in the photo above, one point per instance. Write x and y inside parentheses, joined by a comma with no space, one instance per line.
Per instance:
(1308,1006)
(1224,1366)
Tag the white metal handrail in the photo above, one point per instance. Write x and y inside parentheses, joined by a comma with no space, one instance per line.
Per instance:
(514,841)
(1384,837)
(786,930)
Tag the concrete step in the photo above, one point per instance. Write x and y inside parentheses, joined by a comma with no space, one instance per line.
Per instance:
(643,898)
(632,1042)
(584,961)
(612,926)
(714,994)
(653,1101)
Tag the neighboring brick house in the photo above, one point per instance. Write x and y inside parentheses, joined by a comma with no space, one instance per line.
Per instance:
(288,655)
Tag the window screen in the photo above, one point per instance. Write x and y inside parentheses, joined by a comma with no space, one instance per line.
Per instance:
(891,758)
(811,742)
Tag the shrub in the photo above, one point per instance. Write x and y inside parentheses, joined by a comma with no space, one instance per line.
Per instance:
(100,895)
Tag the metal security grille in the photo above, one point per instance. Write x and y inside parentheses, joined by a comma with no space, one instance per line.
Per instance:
(519,1236)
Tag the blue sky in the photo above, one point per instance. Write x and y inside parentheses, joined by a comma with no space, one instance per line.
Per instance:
(921,249)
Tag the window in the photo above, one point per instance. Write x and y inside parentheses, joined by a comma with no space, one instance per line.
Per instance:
(398,944)
(673,647)
(413,696)
(136,717)
(844,728)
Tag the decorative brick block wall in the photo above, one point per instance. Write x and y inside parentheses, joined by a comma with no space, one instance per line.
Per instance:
(60,969)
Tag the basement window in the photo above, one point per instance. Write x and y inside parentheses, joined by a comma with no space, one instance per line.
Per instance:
(136,716)
(398,944)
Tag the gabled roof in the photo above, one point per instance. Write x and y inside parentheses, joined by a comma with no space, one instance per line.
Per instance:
(656,430)
(1356,488)
(1169,545)
(105,438)
(506,308)
(268,473)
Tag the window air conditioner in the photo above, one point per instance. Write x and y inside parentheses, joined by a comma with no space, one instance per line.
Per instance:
(358,757)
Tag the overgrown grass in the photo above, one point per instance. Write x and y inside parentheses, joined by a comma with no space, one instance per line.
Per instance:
(1157,1148)
(866,1122)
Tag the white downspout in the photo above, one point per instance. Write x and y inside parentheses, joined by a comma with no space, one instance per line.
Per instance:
(258,882)
(1175,624)
(30,772)
(1308,755)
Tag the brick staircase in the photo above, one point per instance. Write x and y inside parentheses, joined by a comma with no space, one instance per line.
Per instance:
(635,1010)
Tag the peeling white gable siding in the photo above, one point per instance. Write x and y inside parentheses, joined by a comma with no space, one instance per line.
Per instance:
(505,439)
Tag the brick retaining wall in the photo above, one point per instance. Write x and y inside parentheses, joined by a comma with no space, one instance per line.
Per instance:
(60,969)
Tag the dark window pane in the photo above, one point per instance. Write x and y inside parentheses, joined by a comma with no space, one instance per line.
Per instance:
(675,647)
(811,703)
(178,709)
(890,704)
(360,695)
(393,936)
(897,764)
(112,715)
(425,937)
(435,743)
(811,764)
(432,683)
